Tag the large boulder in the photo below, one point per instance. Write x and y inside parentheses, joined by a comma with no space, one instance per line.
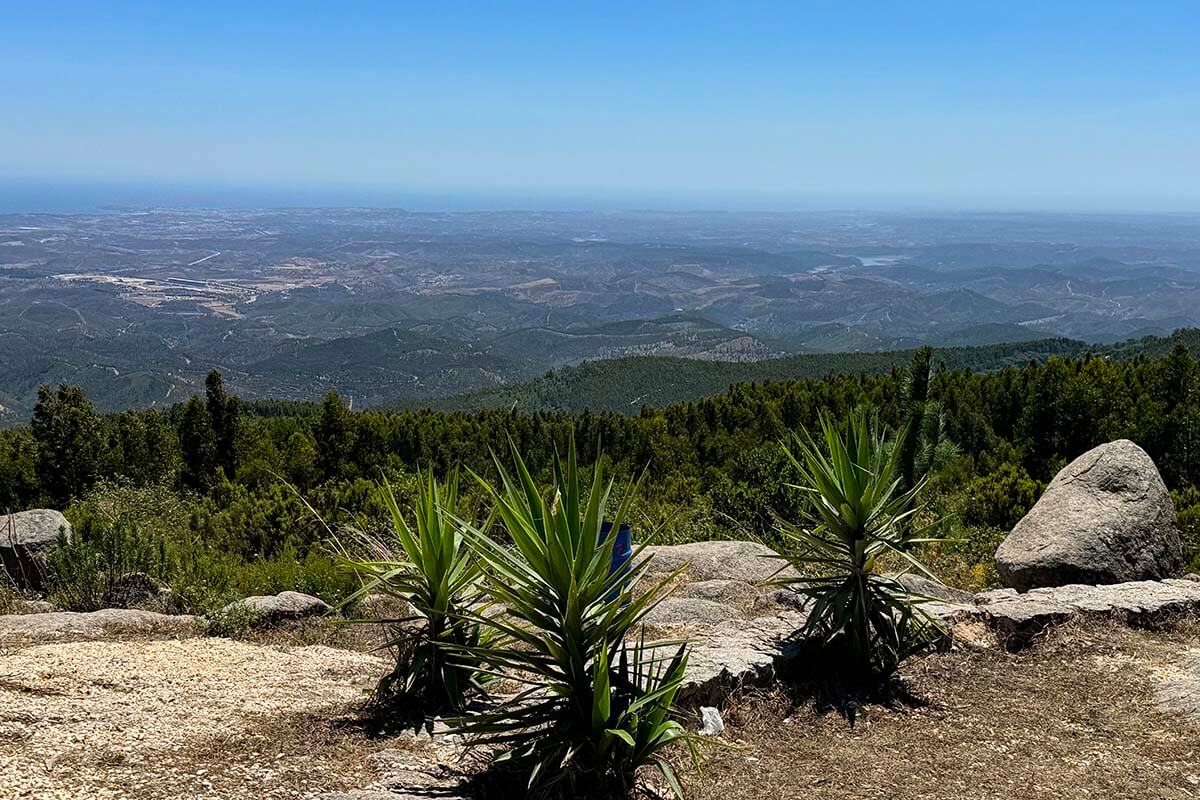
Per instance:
(1105,518)
(25,539)
(275,608)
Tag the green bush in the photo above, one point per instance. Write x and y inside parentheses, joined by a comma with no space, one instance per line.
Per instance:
(1187,511)
(88,572)
(122,529)
(855,517)
(1000,499)
(596,706)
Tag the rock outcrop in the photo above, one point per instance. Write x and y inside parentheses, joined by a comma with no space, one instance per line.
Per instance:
(25,540)
(747,562)
(739,629)
(271,609)
(109,623)
(1018,617)
(1105,518)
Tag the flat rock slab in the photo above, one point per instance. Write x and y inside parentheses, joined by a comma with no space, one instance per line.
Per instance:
(748,562)
(432,771)
(1020,616)
(738,628)
(109,623)
(737,654)
(1179,688)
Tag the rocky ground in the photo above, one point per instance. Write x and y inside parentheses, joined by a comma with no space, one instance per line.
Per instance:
(1066,692)
(1090,710)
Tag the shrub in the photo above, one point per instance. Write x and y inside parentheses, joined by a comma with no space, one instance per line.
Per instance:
(122,529)
(9,596)
(1187,509)
(87,573)
(596,705)
(316,572)
(430,568)
(1000,499)
(855,516)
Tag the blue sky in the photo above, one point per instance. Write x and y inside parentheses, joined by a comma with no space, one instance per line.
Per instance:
(1023,104)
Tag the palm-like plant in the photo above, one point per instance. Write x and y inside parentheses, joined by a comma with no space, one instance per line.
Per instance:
(595,705)
(429,567)
(856,515)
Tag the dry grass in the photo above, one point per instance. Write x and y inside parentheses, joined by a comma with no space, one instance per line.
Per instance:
(1074,717)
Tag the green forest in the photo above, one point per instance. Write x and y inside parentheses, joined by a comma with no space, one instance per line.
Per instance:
(217,498)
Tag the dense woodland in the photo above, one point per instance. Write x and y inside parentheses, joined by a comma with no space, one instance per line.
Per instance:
(212,496)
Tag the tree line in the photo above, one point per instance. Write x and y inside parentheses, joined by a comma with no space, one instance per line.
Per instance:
(1011,428)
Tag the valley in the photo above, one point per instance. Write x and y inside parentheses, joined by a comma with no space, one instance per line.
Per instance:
(396,307)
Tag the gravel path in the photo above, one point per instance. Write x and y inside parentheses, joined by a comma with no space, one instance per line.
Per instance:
(198,718)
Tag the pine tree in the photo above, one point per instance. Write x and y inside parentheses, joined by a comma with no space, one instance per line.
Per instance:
(224,411)
(198,445)
(335,435)
(68,434)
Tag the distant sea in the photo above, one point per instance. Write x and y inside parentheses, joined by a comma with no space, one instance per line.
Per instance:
(18,196)
(30,197)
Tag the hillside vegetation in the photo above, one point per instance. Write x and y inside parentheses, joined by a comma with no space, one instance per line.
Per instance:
(207,497)
(624,385)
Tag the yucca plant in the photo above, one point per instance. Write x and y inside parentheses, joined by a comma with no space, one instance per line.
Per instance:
(595,704)
(857,514)
(428,567)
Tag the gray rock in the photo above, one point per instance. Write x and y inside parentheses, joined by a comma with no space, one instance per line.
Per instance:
(133,589)
(690,612)
(721,591)
(739,630)
(272,609)
(1178,685)
(739,653)
(996,595)
(33,607)
(711,723)
(25,540)
(1019,617)
(748,562)
(379,606)
(926,587)
(424,768)
(109,623)
(1105,518)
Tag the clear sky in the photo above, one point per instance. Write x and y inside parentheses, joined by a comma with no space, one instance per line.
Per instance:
(971,103)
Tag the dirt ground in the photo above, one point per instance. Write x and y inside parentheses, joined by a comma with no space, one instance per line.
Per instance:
(194,718)
(1076,716)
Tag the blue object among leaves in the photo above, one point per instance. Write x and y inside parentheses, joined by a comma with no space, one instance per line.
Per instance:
(622,548)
